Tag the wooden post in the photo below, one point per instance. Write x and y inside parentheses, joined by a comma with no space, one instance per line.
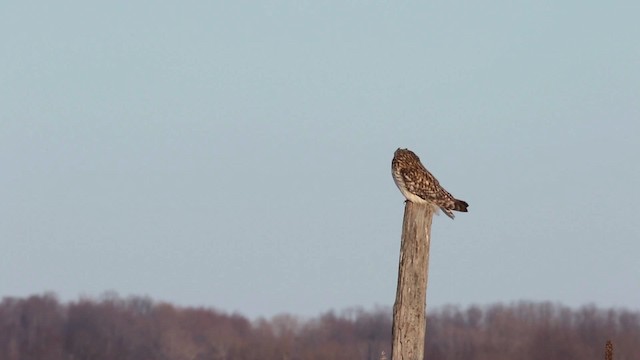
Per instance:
(409,310)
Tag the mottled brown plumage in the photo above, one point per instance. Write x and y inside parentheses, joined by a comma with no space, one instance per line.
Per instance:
(418,185)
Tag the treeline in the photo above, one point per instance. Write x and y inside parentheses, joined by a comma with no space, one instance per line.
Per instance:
(137,328)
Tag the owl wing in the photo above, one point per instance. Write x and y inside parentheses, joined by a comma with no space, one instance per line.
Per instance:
(420,183)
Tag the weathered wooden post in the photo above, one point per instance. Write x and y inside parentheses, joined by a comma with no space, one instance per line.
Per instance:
(409,316)
(424,196)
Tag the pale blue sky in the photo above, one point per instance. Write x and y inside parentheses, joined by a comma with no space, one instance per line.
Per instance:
(237,154)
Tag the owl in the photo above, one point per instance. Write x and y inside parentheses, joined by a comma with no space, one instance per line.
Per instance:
(418,185)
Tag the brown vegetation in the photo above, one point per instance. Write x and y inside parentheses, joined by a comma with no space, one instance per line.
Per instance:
(40,327)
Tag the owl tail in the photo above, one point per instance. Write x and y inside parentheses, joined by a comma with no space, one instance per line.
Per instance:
(458,205)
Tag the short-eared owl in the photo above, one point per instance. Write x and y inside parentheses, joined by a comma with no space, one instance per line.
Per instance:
(418,185)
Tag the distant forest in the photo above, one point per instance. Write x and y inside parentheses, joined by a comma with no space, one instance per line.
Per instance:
(138,328)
